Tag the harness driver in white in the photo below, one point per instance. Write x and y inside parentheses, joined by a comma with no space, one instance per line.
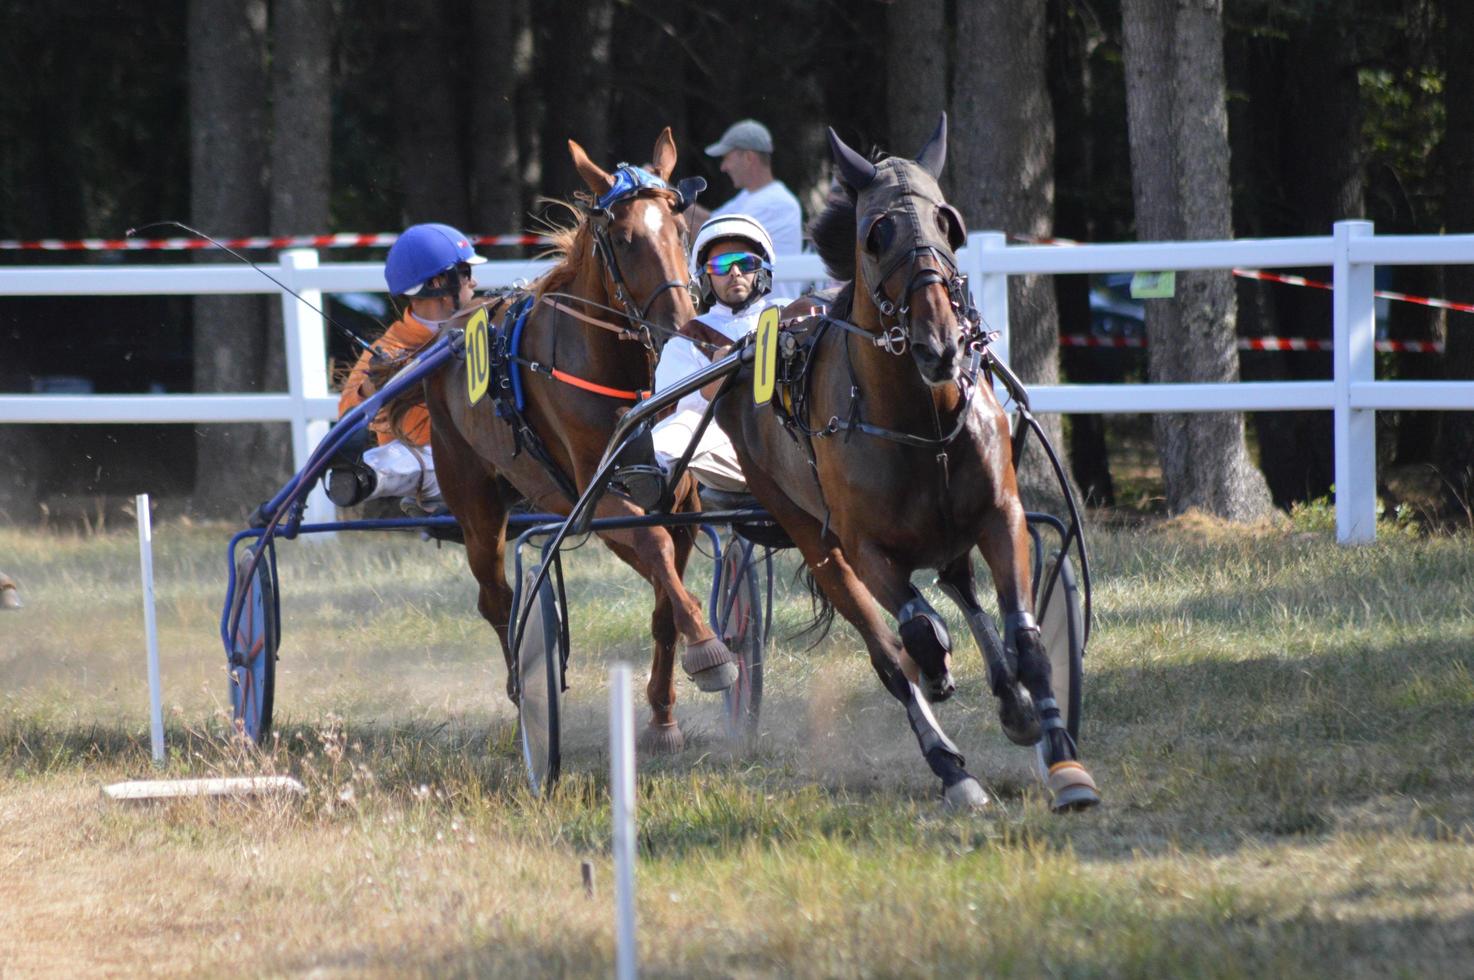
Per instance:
(732,259)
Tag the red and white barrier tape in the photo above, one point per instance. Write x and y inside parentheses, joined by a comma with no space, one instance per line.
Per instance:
(1260,343)
(1442,304)
(346,240)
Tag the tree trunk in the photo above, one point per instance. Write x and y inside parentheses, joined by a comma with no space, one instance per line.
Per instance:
(432,100)
(1178,124)
(301,152)
(1306,106)
(650,33)
(227,110)
(1003,175)
(496,184)
(1072,38)
(573,58)
(915,72)
(1456,430)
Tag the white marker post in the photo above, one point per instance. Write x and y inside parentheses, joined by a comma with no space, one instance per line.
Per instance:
(622,789)
(150,626)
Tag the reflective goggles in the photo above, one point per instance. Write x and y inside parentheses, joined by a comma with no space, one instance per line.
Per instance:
(721,265)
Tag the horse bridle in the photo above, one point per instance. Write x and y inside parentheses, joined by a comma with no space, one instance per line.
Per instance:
(628,183)
(895,337)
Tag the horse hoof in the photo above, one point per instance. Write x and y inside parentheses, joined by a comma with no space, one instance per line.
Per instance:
(662,739)
(709,664)
(1071,787)
(939,689)
(967,795)
(1017,715)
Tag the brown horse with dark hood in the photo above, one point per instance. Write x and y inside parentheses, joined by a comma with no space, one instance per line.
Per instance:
(595,327)
(889,454)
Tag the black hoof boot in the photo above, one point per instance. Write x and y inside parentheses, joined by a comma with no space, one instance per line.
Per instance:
(927,642)
(1017,714)
(351,484)
(643,485)
(639,476)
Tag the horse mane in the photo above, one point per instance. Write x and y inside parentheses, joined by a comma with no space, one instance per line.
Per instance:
(833,231)
(568,243)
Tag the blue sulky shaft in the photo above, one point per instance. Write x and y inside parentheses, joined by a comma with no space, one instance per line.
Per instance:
(295,490)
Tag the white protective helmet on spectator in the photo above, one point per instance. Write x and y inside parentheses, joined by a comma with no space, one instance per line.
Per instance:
(722,228)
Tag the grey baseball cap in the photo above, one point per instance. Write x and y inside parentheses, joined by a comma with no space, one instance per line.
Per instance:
(749,134)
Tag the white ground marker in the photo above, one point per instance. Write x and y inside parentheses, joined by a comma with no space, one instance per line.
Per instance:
(622,789)
(150,626)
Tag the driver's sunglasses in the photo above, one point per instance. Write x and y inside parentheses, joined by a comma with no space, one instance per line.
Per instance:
(723,265)
(463,269)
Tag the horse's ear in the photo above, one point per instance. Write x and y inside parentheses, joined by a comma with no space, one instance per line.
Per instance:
(597,179)
(663,160)
(933,156)
(854,170)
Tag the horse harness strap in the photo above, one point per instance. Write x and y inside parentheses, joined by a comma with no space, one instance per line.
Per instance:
(624,333)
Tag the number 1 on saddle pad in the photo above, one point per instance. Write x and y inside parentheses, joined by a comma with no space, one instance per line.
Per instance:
(765,363)
(478,357)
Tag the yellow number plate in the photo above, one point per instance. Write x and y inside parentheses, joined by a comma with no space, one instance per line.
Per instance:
(478,357)
(765,363)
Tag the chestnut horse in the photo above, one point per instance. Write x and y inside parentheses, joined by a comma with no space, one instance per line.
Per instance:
(589,342)
(878,464)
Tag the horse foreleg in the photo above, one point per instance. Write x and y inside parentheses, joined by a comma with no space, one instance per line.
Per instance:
(707,661)
(850,596)
(1016,710)
(1005,546)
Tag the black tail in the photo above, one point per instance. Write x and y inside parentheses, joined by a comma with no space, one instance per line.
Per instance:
(819,605)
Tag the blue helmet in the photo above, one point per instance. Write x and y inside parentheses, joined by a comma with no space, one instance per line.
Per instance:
(424,252)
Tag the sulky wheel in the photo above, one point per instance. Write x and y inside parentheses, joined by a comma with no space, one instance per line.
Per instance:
(252,662)
(1062,628)
(742,625)
(539,660)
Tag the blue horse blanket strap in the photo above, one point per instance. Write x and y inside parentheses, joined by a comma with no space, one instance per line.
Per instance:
(511,329)
(629,180)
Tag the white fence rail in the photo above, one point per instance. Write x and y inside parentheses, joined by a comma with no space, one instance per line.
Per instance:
(1353,394)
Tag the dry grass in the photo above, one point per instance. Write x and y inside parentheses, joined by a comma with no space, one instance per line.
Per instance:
(1281,728)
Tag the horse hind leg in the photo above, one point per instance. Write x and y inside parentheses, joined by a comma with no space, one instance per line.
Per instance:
(1016,710)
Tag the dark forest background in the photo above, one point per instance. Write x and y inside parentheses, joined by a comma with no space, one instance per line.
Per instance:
(1097,120)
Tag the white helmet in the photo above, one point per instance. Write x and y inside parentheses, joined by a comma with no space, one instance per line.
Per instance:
(720,228)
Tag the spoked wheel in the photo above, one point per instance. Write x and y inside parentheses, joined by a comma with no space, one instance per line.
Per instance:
(742,625)
(1062,628)
(252,662)
(540,683)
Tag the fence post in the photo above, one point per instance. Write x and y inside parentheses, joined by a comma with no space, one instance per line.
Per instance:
(307,374)
(1354,335)
(990,292)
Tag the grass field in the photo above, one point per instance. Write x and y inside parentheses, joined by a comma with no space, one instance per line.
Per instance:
(1281,728)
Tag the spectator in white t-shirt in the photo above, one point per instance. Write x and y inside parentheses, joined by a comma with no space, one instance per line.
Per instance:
(746,150)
